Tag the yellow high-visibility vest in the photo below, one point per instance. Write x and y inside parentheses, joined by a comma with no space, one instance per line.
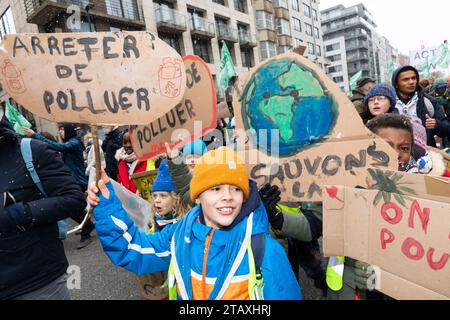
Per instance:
(335,272)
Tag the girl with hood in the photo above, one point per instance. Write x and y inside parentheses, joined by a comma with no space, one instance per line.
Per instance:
(221,249)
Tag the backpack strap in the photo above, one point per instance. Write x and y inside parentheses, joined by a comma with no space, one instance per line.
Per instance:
(25,149)
(258,245)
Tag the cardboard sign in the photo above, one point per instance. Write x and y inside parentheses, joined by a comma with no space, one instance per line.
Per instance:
(144,182)
(195,115)
(405,238)
(92,78)
(298,130)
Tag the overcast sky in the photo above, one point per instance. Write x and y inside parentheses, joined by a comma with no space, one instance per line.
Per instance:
(407,24)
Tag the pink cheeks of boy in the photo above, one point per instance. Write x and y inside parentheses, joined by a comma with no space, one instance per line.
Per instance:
(163,202)
(400,140)
(221,205)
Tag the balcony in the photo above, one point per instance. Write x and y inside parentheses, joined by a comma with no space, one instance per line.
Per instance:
(246,39)
(357,57)
(42,12)
(201,28)
(169,20)
(227,34)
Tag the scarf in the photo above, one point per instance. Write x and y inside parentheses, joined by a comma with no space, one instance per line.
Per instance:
(410,108)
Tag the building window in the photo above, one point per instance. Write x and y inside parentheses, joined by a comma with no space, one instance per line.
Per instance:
(307,10)
(332,47)
(201,49)
(280,4)
(311,48)
(172,40)
(316,33)
(282,27)
(334,69)
(247,57)
(264,20)
(338,79)
(7,23)
(268,49)
(297,42)
(283,49)
(240,5)
(336,57)
(297,24)
(314,14)
(296,5)
(309,29)
(319,51)
(222,2)
(122,8)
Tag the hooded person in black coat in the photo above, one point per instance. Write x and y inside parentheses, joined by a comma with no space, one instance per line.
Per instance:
(32,260)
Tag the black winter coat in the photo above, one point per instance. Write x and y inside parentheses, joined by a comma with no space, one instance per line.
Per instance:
(113,142)
(31,254)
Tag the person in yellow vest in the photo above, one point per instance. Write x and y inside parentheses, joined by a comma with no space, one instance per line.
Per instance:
(300,225)
(220,249)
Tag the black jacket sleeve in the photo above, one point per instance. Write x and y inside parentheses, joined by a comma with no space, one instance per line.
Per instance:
(65,198)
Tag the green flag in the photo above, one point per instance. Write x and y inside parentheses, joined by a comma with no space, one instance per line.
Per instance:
(391,69)
(227,69)
(17,120)
(354,80)
(442,59)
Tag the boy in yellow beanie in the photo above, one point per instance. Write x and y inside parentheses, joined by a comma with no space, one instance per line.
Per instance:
(221,249)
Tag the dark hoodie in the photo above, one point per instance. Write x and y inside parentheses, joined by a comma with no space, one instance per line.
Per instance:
(443,125)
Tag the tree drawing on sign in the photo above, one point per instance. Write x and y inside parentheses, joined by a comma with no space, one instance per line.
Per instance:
(389,183)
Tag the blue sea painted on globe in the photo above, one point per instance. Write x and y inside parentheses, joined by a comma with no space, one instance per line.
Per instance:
(284,95)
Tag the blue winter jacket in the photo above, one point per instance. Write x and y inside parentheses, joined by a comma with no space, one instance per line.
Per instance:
(143,253)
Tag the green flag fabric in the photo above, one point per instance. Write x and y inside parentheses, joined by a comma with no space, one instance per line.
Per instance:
(227,69)
(442,59)
(354,80)
(16,119)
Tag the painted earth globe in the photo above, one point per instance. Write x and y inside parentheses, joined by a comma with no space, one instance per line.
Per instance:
(285,96)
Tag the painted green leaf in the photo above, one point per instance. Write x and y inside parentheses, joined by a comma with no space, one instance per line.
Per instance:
(377,199)
(408,190)
(400,199)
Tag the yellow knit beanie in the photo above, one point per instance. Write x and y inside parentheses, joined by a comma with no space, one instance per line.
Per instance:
(217,167)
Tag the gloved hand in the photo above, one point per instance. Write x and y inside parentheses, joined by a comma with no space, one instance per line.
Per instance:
(7,224)
(364,279)
(270,196)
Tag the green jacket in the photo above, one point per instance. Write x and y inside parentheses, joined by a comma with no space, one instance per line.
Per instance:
(358,101)
(181,177)
(306,226)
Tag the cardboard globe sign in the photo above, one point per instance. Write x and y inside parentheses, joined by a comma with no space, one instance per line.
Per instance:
(192,118)
(301,130)
(92,78)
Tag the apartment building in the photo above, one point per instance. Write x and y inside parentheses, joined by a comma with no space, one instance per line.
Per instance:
(336,54)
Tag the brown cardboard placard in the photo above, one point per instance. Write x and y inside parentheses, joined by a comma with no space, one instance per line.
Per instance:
(92,78)
(404,237)
(321,138)
(198,108)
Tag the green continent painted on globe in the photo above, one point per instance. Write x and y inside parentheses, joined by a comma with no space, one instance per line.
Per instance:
(282,95)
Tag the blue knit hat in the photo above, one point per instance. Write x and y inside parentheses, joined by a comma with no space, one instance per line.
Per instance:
(163,181)
(195,147)
(382,90)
